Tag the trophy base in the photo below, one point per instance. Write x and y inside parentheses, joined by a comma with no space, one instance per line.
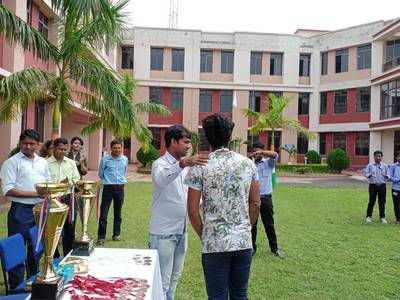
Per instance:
(47,291)
(82,248)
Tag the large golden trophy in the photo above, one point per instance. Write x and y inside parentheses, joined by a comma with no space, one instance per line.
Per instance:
(50,216)
(85,199)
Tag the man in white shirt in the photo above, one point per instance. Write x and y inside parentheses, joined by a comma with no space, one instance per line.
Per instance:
(168,222)
(19,175)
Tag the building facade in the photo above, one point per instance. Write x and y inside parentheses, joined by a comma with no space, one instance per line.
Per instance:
(345,84)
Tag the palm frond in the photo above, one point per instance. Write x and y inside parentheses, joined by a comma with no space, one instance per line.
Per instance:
(250,113)
(16,30)
(150,107)
(23,88)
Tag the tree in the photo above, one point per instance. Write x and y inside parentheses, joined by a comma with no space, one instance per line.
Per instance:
(196,141)
(292,152)
(136,127)
(82,27)
(273,119)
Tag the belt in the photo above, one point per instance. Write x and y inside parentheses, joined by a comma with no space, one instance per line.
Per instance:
(265,196)
(377,184)
(24,205)
(114,185)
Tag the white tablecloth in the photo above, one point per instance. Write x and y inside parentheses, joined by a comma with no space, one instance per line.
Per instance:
(113,263)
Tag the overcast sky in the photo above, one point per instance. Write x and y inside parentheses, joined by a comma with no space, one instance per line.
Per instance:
(275,16)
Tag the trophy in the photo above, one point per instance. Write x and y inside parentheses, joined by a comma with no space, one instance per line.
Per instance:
(83,245)
(48,285)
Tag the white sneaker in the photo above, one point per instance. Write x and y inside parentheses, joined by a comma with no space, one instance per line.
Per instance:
(368,220)
(383,221)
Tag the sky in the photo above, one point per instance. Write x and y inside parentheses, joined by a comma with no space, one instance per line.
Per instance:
(274,16)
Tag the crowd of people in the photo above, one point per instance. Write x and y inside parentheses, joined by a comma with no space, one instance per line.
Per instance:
(221,194)
(56,164)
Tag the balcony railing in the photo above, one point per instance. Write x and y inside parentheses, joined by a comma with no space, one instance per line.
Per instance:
(391,64)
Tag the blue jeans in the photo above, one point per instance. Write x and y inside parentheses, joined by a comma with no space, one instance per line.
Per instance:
(171,251)
(227,273)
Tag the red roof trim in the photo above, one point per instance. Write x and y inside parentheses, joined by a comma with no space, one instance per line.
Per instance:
(386,28)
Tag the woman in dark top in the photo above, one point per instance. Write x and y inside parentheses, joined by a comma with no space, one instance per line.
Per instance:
(76,155)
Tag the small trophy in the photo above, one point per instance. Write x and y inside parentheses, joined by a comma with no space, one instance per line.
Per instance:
(83,245)
(50,216)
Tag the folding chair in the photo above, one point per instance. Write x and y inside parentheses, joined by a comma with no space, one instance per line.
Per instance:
(12,253)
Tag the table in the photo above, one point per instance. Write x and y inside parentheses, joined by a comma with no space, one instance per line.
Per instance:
(112,263)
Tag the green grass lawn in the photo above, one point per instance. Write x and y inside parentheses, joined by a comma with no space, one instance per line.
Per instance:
(330,252)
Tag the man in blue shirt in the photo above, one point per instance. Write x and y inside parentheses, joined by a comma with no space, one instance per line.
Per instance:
(377,173)
(265,162)
(395,177)
(112,170)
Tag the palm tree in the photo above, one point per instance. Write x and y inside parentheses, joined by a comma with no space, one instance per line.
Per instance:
(82,27)
(141,132)
(273,119)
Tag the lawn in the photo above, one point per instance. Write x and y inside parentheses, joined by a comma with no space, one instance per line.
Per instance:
(330,252)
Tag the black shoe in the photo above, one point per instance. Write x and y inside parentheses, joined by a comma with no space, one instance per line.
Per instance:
(116,238)
(279,254)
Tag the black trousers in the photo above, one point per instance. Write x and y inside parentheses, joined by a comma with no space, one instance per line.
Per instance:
(267,217)
(396,204)
(68,233)
(377,190)
(111,193)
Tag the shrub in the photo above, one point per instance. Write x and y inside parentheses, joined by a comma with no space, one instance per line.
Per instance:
(302,168)
(147,158)
(338,160)
(313,157)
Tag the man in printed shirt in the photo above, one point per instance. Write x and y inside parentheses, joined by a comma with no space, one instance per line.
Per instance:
(230,190)
(19,175)
(168,221)
(265,162)
(377,173)
(395,177)
(112,170)
(64,170)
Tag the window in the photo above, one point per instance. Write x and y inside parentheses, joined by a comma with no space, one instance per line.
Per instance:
(156,141)
(363,99)
(364,57)
(322,143)
(227,62)
(39,119)
(127,57)
(390,100)
(178,60)
(156,95)
(342,60)
(251,139)
(43,25)
(176,99)
(277,139)
(340,102)
(302,145)
(362,143)
(255,100)
(157,59)
(393,52)
(205,101)
(23,120)
(304,64)
(304,102)
(256,63)
(226,98)
(206,61)
(339,140)
(324,63)
(323,103)
(275,66)
(277,94)
(29,12)
(204,145)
